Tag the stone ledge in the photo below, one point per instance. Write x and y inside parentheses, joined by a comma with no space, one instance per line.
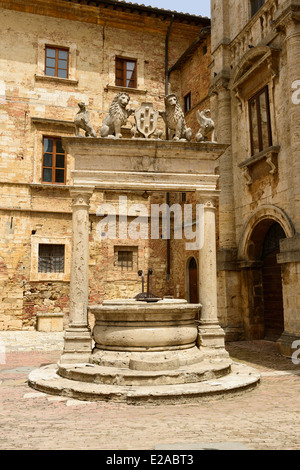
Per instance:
(270,155)
(119,89)
(52,122)
(47,78)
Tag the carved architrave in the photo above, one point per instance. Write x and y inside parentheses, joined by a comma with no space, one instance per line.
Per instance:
(146,119)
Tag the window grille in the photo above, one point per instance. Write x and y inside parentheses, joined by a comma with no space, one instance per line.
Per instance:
(51,258)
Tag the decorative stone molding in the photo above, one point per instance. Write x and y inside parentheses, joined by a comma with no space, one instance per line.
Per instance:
(247,176)
(262,21)
(81,197)
(55,123)
(209,204)
(267,211)
(262,61)
(269,155)
(119,164)
(288,15)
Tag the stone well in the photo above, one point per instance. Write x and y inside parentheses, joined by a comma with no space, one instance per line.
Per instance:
(167,351)
(146,352)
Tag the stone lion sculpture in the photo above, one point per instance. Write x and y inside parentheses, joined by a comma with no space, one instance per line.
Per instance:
(82,121)
(174,119)
(117,116)
(207,126)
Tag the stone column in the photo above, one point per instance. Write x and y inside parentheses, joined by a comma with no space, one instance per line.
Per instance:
(293,58)
(228,273)
(211,336)
(289,248)
(78,340)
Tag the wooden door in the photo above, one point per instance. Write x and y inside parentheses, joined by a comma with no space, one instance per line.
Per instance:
(272,284)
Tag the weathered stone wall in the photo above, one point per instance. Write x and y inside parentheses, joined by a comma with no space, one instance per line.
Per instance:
(193,76)
(33,105)
(248,54)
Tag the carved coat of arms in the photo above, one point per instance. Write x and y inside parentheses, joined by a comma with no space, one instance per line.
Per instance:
(146,119)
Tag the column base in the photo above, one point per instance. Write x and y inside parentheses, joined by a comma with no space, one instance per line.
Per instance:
(77,345)
(285,343)
(211,339)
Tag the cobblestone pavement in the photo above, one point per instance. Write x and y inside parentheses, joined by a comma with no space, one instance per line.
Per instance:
(266,418)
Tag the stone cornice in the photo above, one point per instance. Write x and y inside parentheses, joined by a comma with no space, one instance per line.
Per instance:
(95,11)
(37,121)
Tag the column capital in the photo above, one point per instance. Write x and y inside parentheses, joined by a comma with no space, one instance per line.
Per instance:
(208,199)
(81,196)
(289,18)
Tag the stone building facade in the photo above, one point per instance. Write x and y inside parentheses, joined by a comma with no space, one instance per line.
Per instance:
(55,54)
(255,102)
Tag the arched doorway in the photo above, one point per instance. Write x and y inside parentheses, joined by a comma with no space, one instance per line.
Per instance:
(192,284)
(272,283)
(266,318)
(261,281)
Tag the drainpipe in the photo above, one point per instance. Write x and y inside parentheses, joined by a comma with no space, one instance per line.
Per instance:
(167,133)
(167,64)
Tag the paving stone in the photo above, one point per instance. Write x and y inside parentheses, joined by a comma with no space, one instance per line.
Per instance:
(266,418)
(203,446)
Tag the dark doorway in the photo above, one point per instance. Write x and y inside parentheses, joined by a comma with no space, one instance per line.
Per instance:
(272,284)
(193,281)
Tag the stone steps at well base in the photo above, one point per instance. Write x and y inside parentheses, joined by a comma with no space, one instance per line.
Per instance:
(192,373)
(241,379)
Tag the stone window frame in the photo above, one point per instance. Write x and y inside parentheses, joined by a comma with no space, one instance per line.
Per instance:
(187,102)
(124,61)
(139,58)
(56,59)
(134,250)
(37,240)
(255,99)
(257,69)
(41,61)
(51,128)
(53,167)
